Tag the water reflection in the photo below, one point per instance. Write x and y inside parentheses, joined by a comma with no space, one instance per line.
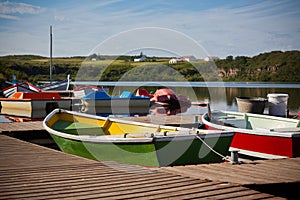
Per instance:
(231,93)
(223,98)
(167,110)
(9,118)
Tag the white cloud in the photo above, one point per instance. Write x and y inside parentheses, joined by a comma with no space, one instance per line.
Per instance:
(8,9)
(106,3)
(58,16)
(4,16)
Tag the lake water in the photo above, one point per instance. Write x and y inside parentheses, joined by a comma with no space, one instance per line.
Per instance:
(229,102)
(190,84)
(221,94)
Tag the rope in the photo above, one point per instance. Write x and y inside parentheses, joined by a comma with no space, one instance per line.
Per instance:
(223,157)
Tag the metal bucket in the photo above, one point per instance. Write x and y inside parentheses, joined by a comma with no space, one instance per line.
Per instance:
(251,104)
(278,104)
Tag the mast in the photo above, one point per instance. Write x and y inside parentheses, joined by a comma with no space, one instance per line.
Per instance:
(50,54)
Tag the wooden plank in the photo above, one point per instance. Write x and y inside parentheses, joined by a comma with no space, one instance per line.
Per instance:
(141,191)
(258,172)
(34,172)
(184,192)
(290,163)
(254,173)
(86,186)
(101,191)
(274,169)
(21,126)
(116,179)
(215,192)
(254,195)
(204,174)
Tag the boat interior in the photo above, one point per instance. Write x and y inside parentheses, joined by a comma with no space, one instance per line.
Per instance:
(78,125)
(256,122)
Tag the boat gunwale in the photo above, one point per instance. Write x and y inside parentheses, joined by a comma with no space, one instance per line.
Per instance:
(112,101)
(257,154)
(115,120)
(121,138)
(22,85)
(117,98)
(259,116)
(262,132)
(28,99)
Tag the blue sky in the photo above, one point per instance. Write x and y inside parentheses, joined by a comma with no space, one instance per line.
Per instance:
(220,27)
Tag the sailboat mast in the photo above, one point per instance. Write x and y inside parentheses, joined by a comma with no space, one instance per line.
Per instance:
(50,54)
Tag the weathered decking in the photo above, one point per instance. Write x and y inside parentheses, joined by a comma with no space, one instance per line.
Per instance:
(253,172)
(30,171)
(12,127)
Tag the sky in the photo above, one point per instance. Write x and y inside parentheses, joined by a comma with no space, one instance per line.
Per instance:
(220,27)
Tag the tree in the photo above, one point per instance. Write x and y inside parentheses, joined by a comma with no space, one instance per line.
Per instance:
(229,58)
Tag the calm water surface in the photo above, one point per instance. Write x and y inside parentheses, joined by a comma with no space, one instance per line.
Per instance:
(221,94)
(229,102)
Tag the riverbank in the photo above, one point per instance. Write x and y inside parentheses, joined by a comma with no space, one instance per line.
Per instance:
(267,67)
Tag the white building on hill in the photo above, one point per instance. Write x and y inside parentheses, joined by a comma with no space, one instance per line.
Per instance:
(142,58)
(182,59)
(211,58)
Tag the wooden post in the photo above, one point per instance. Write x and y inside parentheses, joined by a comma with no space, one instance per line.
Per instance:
(234,156)
(50,54)
(208,111)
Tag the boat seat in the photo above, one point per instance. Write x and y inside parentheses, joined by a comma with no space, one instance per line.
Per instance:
(126,94)
(96,95)
(225,117)
(237,123)
(296,129)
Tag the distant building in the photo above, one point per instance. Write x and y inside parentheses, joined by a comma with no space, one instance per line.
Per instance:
(211,58)
(173,61)
(182,59)
(142,58)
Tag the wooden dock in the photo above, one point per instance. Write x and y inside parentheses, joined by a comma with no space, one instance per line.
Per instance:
(32,132)
(253,172)
(13,127)
(29,171)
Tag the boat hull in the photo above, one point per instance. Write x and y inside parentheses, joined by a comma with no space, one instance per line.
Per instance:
(57,86)
(19,87)
(262,142)
(134,143)
(116,106)
(155,153)
(266,146)
(32,108)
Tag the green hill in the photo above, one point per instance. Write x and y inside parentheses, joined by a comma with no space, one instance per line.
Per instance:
(275,66)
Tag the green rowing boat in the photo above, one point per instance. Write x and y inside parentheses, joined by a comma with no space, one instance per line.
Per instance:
(107,139)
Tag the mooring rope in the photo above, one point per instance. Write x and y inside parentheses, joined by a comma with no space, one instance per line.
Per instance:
(223,157)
